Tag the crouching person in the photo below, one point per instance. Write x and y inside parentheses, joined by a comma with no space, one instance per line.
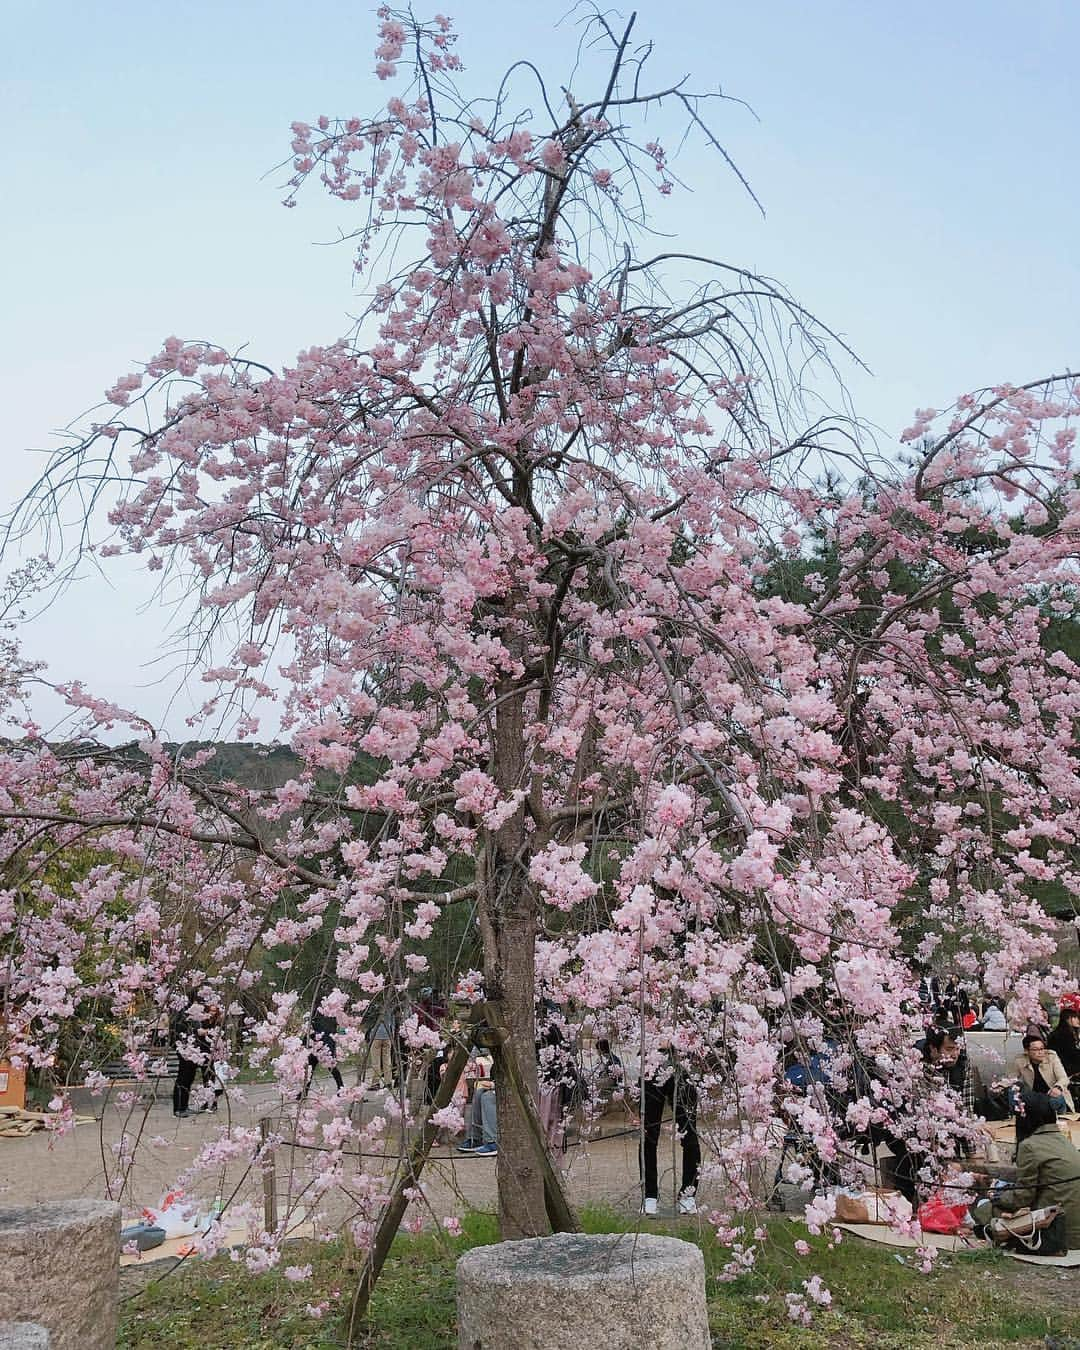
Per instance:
(1047,1177)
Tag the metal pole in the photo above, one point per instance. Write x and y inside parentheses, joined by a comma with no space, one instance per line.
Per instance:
(269,1177)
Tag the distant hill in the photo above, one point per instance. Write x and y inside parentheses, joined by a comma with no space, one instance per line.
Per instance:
(251,765)
(244,762)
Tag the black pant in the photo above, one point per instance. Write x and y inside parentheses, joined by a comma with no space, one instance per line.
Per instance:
(434,1077)
(313,1064)
(185,1077)
(801,1144)
(335,1072)
(684,1106)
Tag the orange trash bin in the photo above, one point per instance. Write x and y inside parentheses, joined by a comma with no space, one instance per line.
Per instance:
(12,1086)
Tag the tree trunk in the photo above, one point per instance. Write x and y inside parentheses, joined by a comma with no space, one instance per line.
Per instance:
(522,1209)
(560,1215)
(508,917)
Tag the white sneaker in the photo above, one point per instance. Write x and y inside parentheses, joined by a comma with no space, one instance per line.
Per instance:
(687,1202)
(649,1207)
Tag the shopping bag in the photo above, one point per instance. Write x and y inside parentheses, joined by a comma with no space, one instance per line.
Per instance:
(938,1216)
(1040,1232)
(872,1206)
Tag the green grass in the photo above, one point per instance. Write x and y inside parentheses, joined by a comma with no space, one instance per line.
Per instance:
(979,1300)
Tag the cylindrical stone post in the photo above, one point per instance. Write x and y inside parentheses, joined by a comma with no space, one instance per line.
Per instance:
(618,1291)
(60,1266)
(23,1336)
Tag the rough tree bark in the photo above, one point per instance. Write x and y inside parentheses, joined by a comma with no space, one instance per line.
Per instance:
(522,1209)
(509,921)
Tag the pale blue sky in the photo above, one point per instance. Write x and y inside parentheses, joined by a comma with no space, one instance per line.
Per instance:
(917,163)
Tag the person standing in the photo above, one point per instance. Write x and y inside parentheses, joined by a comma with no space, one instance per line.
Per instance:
(323,1050)
(431,1012)
(669,1085)
(209,1039)
(186,1038)
(380,1058)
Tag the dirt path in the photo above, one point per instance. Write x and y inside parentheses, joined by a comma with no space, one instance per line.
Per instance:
(83,1163)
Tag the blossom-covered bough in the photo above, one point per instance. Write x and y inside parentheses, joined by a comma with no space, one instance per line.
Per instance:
(585,617)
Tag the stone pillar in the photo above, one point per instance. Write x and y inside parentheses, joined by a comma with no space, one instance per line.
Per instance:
(23,1336)
(60,1266)
(611,1291)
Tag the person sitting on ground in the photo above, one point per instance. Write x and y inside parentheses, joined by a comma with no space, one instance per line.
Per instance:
(1039,1025)
(1064,1040)
(944,1057)
(1047,1166)
(993,1018)
(944,1060)
(807,1074)
(1040,1071)
(481,1118)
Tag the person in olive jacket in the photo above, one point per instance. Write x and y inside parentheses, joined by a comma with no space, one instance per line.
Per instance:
(1047,1166)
